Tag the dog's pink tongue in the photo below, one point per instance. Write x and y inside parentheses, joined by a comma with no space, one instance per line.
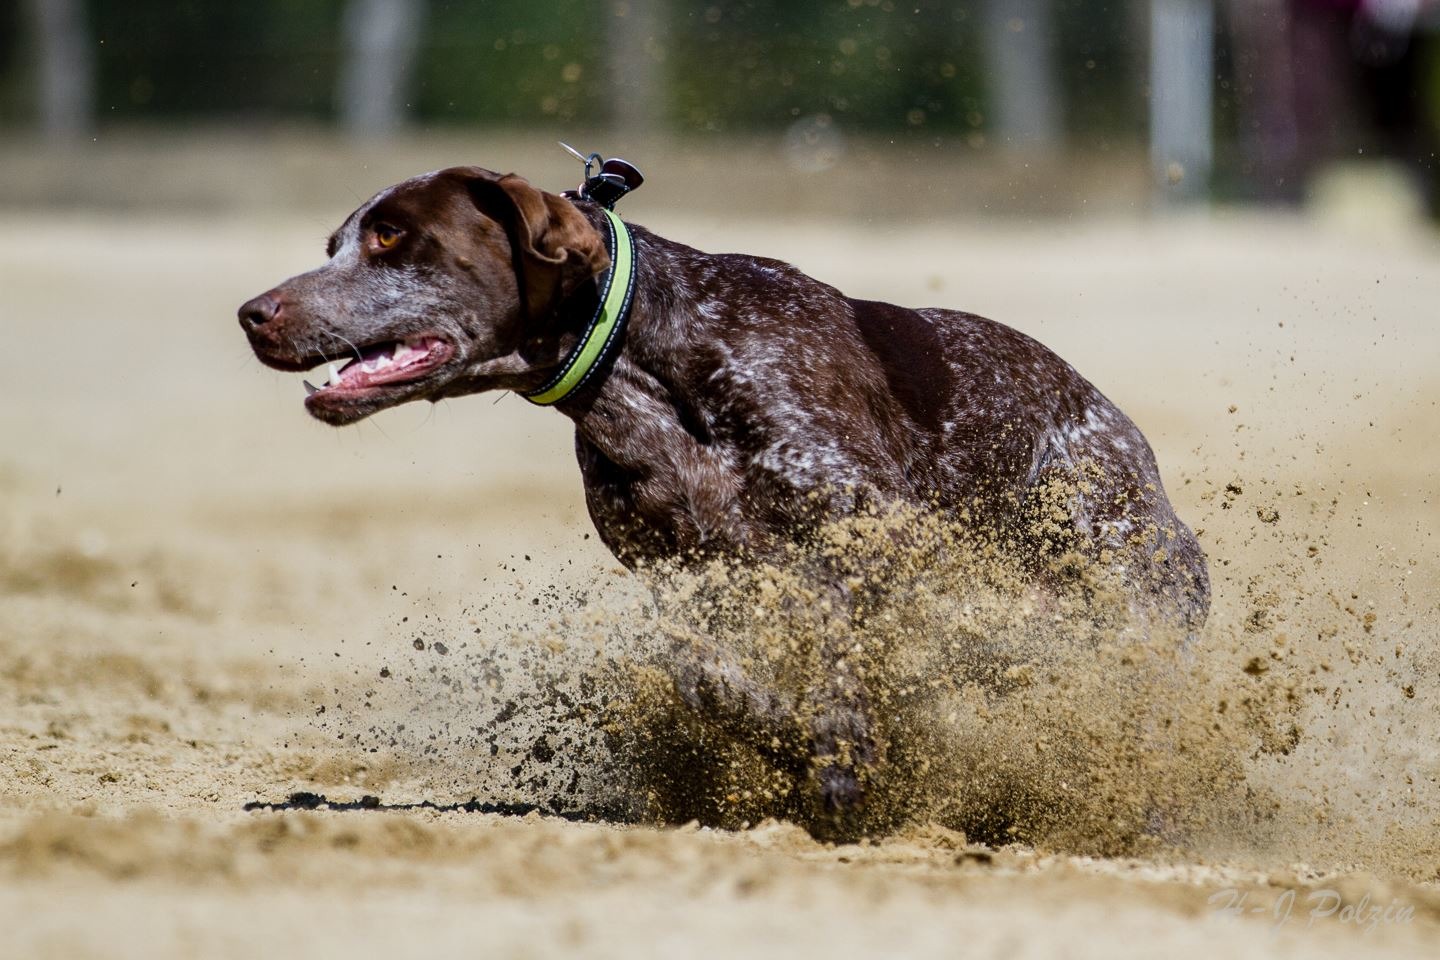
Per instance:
(376,363)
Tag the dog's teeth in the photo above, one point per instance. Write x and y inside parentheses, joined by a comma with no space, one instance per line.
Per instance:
(310,388)
(384,360)
(402,351)
(334,376)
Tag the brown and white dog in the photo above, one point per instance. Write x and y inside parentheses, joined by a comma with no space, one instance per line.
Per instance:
(743,400)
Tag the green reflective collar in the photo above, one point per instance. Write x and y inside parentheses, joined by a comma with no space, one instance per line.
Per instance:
(605,326)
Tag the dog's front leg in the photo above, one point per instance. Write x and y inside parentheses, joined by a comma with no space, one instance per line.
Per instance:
(831,738)
(843,745)
(719,689)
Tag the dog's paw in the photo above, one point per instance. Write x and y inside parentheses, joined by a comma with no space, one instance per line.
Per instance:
(843,751)
(840,789)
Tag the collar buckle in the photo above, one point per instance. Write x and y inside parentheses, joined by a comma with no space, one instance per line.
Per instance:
(614,179)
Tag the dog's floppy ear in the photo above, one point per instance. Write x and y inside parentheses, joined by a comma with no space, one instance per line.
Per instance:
(555,248)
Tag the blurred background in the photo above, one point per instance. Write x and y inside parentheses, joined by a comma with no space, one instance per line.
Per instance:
(880,107)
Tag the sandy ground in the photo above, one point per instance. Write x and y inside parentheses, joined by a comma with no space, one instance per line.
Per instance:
(199,587)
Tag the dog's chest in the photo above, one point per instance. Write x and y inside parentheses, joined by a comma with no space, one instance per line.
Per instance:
(651,499)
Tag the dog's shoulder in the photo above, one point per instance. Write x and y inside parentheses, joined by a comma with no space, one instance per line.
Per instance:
(737,291)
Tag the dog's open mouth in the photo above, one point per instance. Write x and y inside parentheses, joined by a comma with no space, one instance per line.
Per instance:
(380,366)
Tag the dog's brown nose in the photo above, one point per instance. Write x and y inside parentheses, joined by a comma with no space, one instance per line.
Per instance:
(259,311)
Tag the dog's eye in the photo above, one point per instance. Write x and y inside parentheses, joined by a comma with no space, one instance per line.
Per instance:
(386,236)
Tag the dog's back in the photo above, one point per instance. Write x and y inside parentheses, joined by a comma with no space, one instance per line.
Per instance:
(788,394)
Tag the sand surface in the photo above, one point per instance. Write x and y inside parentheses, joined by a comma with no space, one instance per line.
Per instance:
(200,587)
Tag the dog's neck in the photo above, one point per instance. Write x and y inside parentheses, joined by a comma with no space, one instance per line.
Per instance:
(608,297)
(645,392)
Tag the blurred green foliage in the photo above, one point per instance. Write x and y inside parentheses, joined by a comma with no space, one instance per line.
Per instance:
(728,65)
(764,62)
(14,100)
(194,58)
(913,68)
(511,61)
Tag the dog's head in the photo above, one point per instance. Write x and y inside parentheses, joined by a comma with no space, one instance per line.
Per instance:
(446,284)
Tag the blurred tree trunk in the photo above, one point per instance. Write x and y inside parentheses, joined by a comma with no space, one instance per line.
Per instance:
(1019,56)
(1182,77)
(635,47)
(1265,98)
(65,63)
(380,39)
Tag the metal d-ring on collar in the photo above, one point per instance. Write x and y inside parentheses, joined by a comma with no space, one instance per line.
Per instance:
(613,179)
(605,326)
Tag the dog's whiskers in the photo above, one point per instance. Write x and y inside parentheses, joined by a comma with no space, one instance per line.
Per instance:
(348,343)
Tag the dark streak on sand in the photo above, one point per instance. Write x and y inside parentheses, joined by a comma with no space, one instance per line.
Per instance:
(304,800)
